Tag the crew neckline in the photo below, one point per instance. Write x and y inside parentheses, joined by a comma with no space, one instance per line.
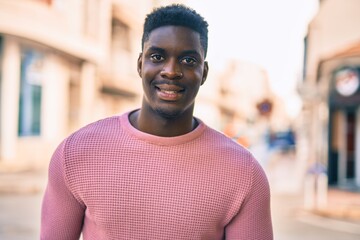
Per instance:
(158,140)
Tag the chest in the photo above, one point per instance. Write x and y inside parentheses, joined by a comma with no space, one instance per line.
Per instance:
(162,194)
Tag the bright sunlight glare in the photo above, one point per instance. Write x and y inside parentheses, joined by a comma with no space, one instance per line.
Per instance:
(265,32)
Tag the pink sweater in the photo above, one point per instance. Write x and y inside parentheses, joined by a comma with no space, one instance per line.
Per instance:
(110,181)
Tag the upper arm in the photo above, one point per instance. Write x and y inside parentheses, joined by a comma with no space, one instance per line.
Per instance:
(62,215)
(253,221)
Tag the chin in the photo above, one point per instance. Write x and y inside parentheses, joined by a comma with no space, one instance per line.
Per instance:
(168,113)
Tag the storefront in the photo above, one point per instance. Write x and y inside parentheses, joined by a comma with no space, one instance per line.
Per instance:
(344,127)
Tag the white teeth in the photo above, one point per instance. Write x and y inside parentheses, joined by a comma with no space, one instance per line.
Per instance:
(168,92)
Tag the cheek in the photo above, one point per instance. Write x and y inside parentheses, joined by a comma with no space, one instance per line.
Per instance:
(147,75)
(198,77)
(150,71)
(195,81)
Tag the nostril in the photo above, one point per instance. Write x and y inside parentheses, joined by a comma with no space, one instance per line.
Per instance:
(171,74)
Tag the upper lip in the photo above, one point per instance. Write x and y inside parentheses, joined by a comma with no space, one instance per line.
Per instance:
(169,87)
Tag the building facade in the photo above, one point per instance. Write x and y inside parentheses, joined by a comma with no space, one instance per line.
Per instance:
(331,92)
(63,64)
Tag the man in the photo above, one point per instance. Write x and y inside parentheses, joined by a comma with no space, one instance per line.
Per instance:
(158,172)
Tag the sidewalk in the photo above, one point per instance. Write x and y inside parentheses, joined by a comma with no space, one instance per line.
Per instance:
(341,211)
(22,181)
(341,205)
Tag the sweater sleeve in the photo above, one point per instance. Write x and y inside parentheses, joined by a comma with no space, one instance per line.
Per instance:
(253,221)
(61,215)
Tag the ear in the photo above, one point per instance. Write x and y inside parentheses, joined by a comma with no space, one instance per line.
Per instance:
(205,72)
(139,65)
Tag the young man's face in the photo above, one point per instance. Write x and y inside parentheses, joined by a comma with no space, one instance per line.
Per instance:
(172,69)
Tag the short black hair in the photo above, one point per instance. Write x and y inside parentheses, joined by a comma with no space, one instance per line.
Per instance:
(176,15)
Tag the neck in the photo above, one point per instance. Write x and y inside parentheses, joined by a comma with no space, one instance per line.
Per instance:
(161,126)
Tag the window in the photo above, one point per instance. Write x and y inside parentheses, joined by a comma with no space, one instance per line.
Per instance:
(45,1)
(58,4)
(306,45)
(1,57)
(120,49)
(30,93)
(120,35)
(91,18)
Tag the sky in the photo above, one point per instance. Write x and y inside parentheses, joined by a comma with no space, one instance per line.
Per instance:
(269,33)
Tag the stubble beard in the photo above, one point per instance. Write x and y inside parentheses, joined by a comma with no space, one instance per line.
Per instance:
(172,114)
(167,114)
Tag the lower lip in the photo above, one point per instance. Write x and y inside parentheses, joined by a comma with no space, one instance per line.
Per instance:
(169,96)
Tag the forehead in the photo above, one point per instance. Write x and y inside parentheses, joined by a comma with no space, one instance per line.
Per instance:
(178,37)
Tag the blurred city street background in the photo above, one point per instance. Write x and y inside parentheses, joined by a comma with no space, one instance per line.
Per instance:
(284,82)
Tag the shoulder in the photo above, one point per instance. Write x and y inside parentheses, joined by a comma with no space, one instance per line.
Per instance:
(229,154)
(240,164)
(220,142)
(234,157)
(89,145)
(237,164)
(95,130)
(106,125)
(92,137)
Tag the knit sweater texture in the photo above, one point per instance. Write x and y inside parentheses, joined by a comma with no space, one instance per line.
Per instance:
(109,180)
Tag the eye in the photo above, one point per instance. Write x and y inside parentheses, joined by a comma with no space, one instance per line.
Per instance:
(189,60)
(156,57)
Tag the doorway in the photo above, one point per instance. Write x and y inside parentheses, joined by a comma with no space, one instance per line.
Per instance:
(350,145)
(1,113)
(342,147)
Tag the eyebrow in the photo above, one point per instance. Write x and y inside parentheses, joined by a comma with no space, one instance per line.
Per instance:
(191,52)
(161,50)
(156,49)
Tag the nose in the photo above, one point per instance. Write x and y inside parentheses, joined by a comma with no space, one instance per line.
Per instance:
(171,70)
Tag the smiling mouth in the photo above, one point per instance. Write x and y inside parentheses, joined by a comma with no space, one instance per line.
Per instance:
(169,92)
(167,88)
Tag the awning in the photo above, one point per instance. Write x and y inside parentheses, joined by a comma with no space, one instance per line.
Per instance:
(352,51)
